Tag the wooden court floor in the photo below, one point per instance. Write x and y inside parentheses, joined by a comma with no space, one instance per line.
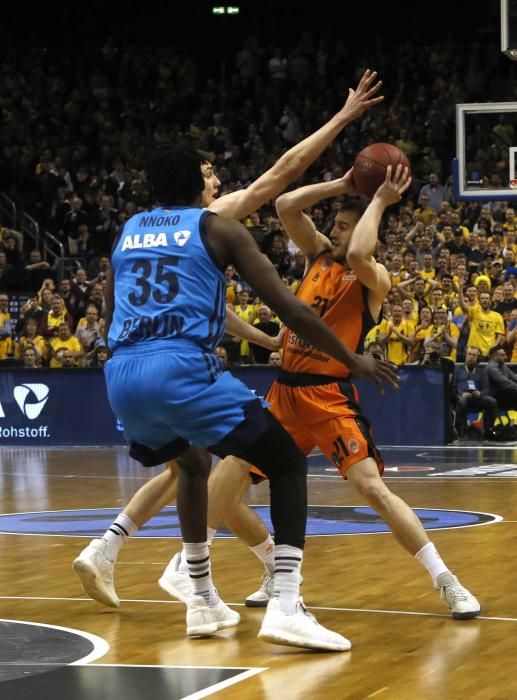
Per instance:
(405,644)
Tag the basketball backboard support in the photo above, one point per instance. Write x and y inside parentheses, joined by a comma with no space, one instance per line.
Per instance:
(486,147)
(509,28)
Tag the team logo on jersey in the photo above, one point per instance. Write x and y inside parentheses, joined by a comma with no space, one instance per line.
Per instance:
(181,237)
(147,240)
(353,446)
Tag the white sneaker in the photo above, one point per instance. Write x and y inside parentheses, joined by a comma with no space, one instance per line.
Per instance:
(299,630)
(261,598)
(96,573)
(175,582)
(203,620)
(463,604)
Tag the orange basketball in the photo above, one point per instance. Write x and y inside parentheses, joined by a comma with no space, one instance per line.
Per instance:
(369,171)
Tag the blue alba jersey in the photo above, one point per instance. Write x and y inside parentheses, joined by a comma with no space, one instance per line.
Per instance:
(167,287)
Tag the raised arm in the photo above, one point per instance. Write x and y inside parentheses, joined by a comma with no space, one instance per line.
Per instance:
(402,289)
(419,226)
(299,227)
(362,245)
(461,299)
(297,159)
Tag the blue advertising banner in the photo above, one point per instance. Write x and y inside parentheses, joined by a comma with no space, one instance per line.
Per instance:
(70,407)
(56,407)
(257,378)
(411,415)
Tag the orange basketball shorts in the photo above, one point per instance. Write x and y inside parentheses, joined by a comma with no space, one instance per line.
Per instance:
(327,416)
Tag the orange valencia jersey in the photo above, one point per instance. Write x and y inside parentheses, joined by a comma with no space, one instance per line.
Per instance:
(341,300)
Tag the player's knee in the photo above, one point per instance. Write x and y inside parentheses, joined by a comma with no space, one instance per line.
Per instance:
(372,488)
(231,471)
(195,461)
(238,468)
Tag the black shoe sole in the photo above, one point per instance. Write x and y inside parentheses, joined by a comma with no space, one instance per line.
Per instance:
(256,604)
(466,616)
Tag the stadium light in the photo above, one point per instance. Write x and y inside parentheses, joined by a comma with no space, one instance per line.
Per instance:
(226,10)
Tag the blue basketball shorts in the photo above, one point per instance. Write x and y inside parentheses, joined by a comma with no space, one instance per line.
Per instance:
(173,396)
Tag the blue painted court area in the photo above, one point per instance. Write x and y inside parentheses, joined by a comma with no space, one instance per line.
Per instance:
(322,520)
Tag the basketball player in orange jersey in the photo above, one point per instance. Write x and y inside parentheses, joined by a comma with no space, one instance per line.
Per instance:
(100,555)
(313,397)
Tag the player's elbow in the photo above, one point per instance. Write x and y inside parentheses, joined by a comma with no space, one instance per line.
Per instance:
(356,256)
(284,204)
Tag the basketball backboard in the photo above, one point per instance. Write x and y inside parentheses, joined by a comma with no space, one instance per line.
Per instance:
(509,28)
(486,146)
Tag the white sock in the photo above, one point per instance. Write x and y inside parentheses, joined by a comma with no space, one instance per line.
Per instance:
(198,562)
(118,533)
(288,563)
(182,567)
(429,557)
(265,551)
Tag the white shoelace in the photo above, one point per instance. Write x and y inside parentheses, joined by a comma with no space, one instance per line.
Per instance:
(455,590)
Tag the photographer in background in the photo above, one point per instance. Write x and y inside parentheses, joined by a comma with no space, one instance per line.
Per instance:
(468,384)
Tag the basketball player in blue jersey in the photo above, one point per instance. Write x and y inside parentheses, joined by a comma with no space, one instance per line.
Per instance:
(165,315)
(95,564)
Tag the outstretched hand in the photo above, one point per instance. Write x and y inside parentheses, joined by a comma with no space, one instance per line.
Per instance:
(363,97)
(378,371)
(394,186)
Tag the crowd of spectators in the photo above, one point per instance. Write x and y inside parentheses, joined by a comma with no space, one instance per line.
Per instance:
(56,327)
(72,147)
